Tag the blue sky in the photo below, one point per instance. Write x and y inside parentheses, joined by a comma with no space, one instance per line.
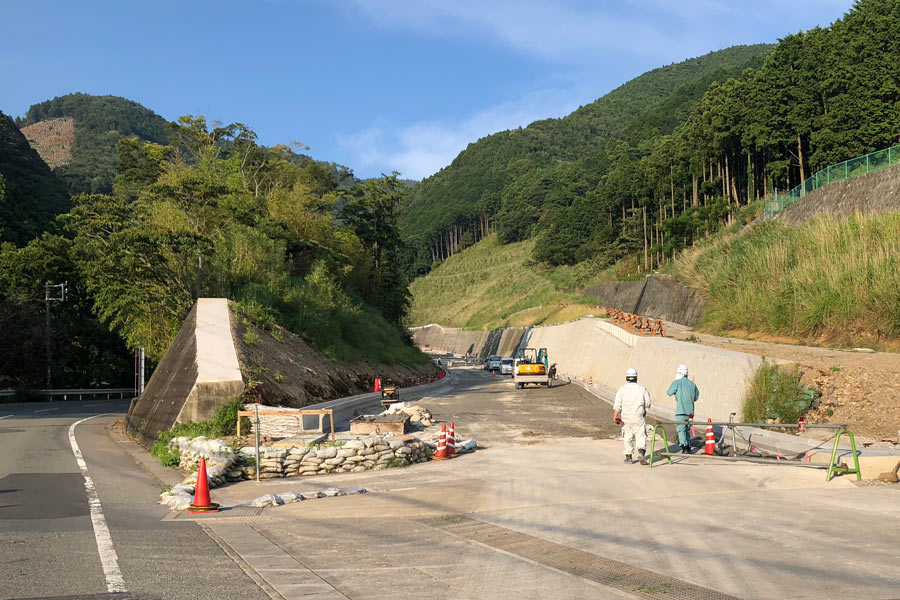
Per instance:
(376,85)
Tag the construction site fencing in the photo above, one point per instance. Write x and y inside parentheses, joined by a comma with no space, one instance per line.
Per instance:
(659,430)
(861,165)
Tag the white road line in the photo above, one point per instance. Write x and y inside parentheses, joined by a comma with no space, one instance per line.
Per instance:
(7,416)
(108,558)
(46,410)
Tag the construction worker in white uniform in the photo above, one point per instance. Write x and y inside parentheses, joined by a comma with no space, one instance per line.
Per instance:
(629,410)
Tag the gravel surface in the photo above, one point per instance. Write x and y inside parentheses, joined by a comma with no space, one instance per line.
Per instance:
(492,411)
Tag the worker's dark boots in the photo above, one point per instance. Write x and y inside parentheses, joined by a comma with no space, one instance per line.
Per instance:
(641,457)
(628,459)
(685,449)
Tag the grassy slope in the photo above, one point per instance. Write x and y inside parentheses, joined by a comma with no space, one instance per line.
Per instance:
(825,281)
(492,285)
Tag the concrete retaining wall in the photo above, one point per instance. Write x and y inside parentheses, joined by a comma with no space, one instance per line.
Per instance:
(198,374)
(477,343)
(874,193)
(595,348)
(654,296)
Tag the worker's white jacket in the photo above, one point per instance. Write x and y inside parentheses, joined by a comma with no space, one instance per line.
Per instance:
(633,400)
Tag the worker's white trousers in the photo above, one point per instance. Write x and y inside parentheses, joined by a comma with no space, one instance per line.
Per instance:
(634,432)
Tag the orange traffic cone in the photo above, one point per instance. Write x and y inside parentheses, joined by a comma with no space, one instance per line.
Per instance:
(441,452)
(710,447)
(377,385)
(451,441)
(691,421)
(202,503)
(493,373)
(802,423)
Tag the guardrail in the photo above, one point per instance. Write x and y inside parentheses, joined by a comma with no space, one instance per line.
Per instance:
(65,393)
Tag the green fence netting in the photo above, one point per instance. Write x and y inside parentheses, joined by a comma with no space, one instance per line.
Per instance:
(861,165)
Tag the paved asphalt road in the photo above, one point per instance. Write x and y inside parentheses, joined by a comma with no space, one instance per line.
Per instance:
(47,544)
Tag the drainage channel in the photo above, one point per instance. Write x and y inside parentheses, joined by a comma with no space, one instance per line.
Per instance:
(605,571)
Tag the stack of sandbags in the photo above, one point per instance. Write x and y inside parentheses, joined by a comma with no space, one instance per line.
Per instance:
(417,414)
(276,427)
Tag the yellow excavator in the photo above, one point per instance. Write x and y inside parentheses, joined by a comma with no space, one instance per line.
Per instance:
(531,366)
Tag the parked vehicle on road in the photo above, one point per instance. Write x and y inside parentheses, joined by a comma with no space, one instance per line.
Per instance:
(506,366)
(493,362)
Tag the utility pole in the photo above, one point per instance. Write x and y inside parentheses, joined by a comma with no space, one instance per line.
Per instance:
(59,291)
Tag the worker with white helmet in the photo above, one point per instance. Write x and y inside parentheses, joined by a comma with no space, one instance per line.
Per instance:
(629,410)
(686,393)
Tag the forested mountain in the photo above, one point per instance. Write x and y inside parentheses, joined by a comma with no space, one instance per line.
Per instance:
(507,180)
(99,123)
(649,176)
(30,194)
(210,213)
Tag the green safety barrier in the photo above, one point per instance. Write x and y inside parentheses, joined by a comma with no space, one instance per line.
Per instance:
(861,165)
(653,443)
(832,468)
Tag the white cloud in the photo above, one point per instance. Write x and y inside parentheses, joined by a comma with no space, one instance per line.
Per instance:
(420,149)
(567,32)
(579,32)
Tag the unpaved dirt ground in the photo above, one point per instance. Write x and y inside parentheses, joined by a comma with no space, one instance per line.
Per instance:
(491,411)
(861,389)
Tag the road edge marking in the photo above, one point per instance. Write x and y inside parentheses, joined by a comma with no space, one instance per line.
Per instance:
(108,558)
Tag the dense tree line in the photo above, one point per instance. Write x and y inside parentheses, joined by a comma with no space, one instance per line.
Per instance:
(292,241)
(692,161)
(498,183)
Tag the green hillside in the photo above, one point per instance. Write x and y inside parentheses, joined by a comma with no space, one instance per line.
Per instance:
(30,194)
(493,285)
(504,182)
(100,122)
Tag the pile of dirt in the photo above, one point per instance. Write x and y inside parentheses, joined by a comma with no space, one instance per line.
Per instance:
(859,389)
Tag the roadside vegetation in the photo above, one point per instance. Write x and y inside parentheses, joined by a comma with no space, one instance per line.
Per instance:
(829,281)
(776,394)
(221,425)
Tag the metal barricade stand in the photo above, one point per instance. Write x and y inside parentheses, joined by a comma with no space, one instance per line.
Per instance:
(832,468)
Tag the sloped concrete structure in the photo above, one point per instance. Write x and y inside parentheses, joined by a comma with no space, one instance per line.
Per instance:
(198,374)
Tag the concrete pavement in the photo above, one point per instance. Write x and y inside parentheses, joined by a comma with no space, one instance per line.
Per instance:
(47,544)
(734,530)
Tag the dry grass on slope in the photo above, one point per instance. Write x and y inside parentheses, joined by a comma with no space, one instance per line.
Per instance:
(828,281)
(491,285)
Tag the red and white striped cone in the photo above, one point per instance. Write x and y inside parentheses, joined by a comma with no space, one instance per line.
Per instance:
(710,447)
(592,380)
(451,441)
(691,421)
(802,423)
(441,452)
